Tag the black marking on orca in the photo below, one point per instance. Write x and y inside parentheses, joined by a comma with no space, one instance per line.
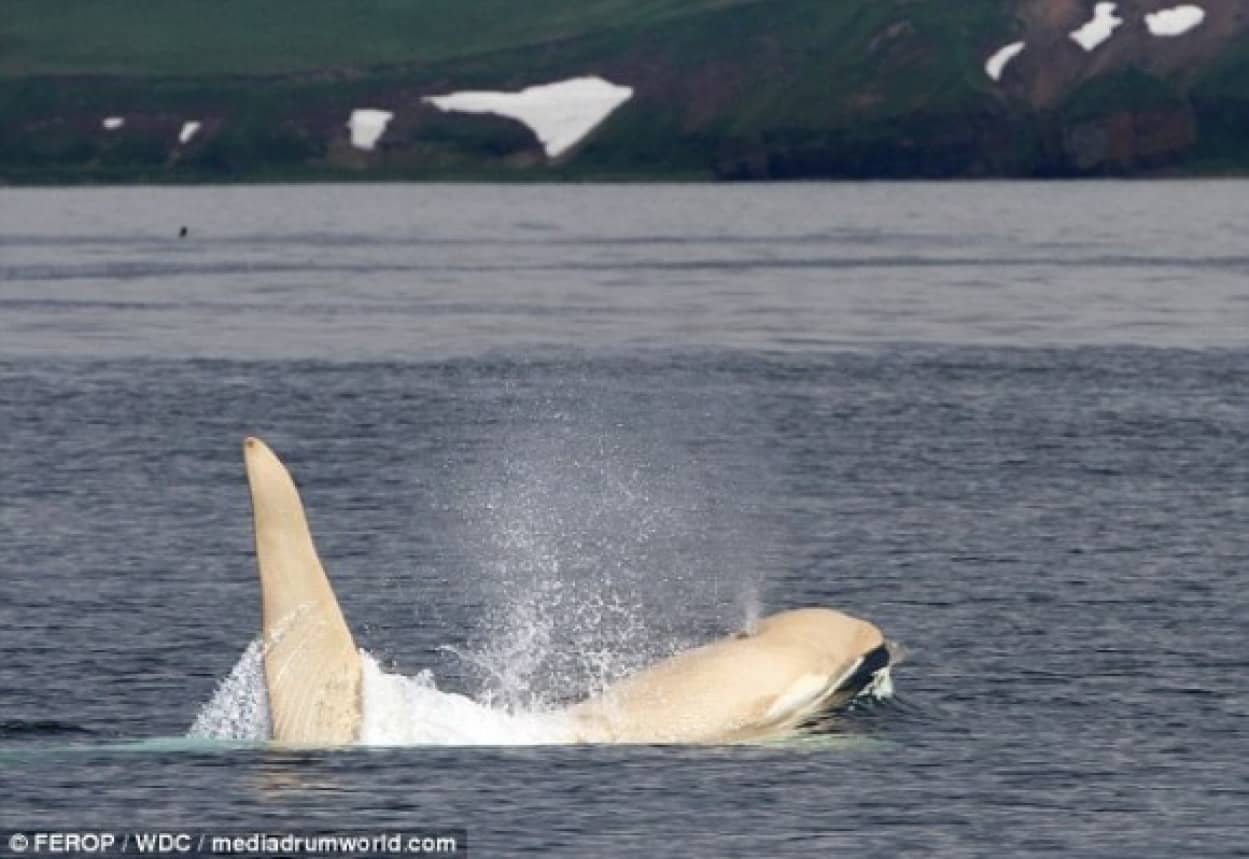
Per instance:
(823,720)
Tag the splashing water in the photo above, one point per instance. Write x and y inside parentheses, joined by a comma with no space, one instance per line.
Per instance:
(600,550)
(412,711)
(239,708)
(397,711)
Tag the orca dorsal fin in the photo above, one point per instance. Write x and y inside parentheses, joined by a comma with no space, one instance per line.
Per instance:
(312,667)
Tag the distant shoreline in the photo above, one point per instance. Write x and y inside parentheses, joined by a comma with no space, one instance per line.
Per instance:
(232,92)
(140,179)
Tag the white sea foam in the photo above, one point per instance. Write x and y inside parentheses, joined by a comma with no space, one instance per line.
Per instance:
(560,114)
(397,711)
(112,123)
(367,126)
(407,711)
(189,130)
(881,687)
(1099,28)
(1175,21)
(996,64)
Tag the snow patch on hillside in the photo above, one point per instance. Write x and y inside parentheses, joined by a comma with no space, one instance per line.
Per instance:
(560,114)
(1099,28)
(367,126)
(996,64)
(1175,21)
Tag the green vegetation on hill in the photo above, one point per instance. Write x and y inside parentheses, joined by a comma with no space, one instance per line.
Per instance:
(152,38)
(733,88)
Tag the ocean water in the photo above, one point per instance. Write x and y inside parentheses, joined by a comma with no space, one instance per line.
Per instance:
(546,434)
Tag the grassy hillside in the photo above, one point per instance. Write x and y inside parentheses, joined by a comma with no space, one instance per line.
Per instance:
(733,88)
(151,38)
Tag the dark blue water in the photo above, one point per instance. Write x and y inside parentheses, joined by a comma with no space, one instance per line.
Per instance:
(1007,423)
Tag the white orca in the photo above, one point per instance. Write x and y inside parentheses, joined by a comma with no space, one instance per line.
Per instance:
(786,674)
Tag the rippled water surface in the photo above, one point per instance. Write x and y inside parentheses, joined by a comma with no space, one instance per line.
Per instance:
(546,434)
